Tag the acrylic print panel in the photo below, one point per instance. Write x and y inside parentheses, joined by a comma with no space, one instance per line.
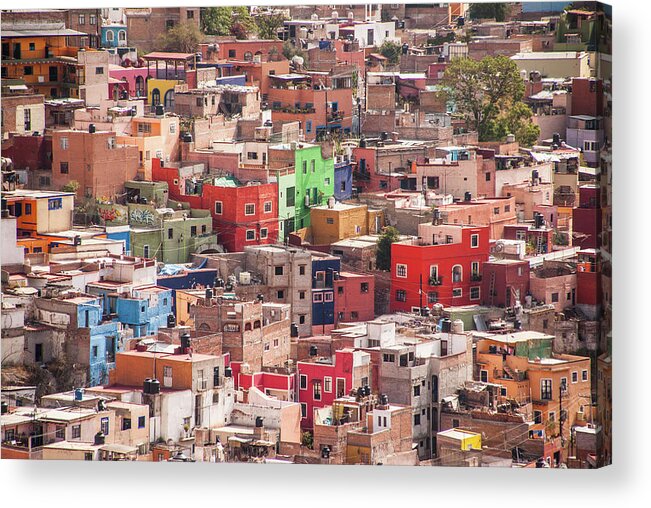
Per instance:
(351,234)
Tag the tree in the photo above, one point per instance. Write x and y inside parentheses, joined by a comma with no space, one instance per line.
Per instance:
(497,11)
(483,90)
(268,25)
(515,120)
(217,20)
(383,255)
(184,37)
(391,51)
(71,186)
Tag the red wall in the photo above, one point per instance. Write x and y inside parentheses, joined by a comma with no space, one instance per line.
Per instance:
(29,151)
(418,260)
(506,277)
(353,299)
(584,101)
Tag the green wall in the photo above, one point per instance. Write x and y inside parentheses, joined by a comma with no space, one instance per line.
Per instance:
(322,179)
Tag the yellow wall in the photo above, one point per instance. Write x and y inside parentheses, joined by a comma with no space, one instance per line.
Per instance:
(183,301)
(346,223)
(163,86)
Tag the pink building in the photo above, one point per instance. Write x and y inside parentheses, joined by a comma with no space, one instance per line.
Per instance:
(131,79)
(354,298)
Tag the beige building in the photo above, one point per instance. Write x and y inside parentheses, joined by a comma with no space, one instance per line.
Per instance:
(554,64)
(338,221)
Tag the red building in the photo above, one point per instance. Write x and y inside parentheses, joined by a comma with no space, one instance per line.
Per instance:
(243,214)
(587,97)
(443,265)
(504,282)
(279,385)
(588,278)
(586,219)
(321,381)
(354,298)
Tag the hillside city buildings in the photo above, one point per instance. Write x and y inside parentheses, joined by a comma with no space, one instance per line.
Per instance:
(295,248)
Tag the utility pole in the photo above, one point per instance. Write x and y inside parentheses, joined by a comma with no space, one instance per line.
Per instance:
(420,294)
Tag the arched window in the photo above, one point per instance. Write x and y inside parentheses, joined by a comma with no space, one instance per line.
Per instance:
(248,56)
(155,97)
(247,327)
(256,324)
(122,35)
(457,273)
(140,86)
(110,35)
(169,100)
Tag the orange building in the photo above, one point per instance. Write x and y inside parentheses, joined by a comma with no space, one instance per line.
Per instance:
(46,59)
(556,385)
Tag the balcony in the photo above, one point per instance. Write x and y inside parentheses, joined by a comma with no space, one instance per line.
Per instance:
(435,281)
(335,116)
(475,277)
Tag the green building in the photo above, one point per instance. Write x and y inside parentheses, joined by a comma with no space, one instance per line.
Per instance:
(156,193)
(315,181)
(170,236)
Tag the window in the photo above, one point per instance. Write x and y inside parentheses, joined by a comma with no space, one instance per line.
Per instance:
(354,315)
(63,143)
(249,209)
(330,220)
(268,207)
(584,375)
(507,208)
(76,431)
(401,270)
(99,70)
(252,155)
(564,384)
(488,177)
(303,410)
(32,46)
(474,293)
(88,455)
(126,423)
(483,376)
(170,234)
(303,382)
(457,273)
(190,14)
(264,232)
(317,297)
(546,389)
(537,416)
(60,433)
(416,390)
(457,293)
(92,19)
(327,181)
(327,384)
(82,19)
(204,229)
(172,128)
(590,146)
(122,35)
(94,351)
(218,207)
(363,287)
(416,419)
(54,204)
(316,389)
(267,347)
(308,126)
(312,165)
(301,270)
(301,295)
(401,295)
(29,71)
(305,167)
(301,319)
(104,425)
(575,376)
(193,231)
(144,127)
(290,199)
(432,297)
(278,270)
(250,235)
(280,294)
(328,296)
(554,297)
(474,241)
(141,422)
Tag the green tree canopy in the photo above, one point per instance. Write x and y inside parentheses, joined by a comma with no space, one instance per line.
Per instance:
(217,20)
(268,25)
(184,37)
(383,256)
(498,11)
(483,90)
(391,51)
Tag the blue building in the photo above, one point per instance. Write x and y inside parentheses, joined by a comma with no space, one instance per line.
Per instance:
(145,311)
(324,270)
(114,36)
(121,234)
(343,180)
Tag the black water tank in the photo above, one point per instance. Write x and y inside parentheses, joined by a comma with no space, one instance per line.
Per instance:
(556,138)
(208,293)
(77,240)
(100,438)
(260,297)
(360,392)
(384,399)
(91,128)
(534,175)
(405,48)
(146,386)
(313,350)
(293,330)
(539,220)
(160,110)
(446,326)
(367,390)
(228,372)
(219,283)
(325,452)
(187,137)
(517,324)
(171,321)
(441,59)
(384,136)
(259,421)
(154,387)
(467,196)
(185,341)
(5,408)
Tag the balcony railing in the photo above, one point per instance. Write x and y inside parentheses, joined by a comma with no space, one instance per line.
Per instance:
(435,281)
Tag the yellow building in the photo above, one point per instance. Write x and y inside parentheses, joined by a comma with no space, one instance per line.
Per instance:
(463,440)
(185,298)
(554,64)
(338,221)
(161,91)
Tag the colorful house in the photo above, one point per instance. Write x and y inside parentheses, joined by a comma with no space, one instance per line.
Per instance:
(325,270)
(322,380)
(442,266)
